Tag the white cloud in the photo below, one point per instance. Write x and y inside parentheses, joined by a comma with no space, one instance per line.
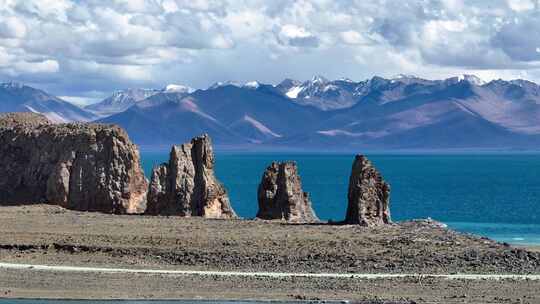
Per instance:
(521,5)
(12,27)
(352,37)
(25,67)
(5,58)
(105,45)
(294,35)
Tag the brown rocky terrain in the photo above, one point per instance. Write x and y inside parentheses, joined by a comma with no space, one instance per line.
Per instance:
(280,195)
(51,235)
(369,195)
(38,284)
(89,167)
(187,185)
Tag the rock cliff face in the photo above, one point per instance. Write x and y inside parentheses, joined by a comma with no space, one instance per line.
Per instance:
(369,195)
(87,167)
(280,195)
(187,186)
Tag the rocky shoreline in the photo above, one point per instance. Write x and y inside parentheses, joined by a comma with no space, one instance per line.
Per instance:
(95,167)
(53,235)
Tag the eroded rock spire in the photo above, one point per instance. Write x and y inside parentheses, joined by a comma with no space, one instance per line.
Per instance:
(280,195)
(187,185)
(369,195)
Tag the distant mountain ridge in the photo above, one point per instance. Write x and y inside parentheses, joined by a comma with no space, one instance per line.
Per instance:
(402,112)
(121,100)
(17,97)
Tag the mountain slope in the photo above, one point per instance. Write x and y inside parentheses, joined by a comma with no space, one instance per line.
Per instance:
(230,114)
(120,101)
(454,113)
(166,118)
(404,112)
(16,97)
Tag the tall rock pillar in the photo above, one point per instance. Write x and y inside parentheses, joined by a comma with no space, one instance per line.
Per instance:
(187,185)
(369,195)
(280,195)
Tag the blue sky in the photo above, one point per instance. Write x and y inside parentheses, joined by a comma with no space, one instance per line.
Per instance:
(86,49)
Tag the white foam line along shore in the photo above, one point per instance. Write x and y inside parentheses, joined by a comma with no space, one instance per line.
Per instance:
(269,274)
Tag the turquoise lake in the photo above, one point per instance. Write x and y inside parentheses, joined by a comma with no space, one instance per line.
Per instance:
(494,195)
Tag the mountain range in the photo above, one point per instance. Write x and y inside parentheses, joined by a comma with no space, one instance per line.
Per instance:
(16,97)
(404,112)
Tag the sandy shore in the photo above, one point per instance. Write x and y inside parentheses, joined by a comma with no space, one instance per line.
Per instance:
(50,235)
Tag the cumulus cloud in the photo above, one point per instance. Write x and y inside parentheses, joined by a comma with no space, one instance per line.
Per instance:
(87,48)
(352,37)
(521,5)
(517,40)
(293,35)
(12,27)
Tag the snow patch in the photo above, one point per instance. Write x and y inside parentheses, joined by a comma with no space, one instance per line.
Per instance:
(224,84)
(178,88)
(472,79)
(252,84)
(330,87)
(404,76)
(294,91)
(318,79)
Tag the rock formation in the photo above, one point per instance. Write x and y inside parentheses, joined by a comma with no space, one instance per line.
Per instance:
(280,195)
(87,167)
(187,186)
(369,195)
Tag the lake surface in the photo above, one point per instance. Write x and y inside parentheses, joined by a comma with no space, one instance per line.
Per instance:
(494,195)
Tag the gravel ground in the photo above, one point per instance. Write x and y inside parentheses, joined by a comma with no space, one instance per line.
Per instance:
(42,234)
(35,284)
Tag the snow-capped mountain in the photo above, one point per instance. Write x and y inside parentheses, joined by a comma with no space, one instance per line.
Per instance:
(402,112)
(17,97)
(120,100)
(320,92)
(178,88)
(252,84)
(231,114)
(220,84)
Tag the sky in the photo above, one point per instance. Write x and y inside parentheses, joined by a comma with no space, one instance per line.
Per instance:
(84,50)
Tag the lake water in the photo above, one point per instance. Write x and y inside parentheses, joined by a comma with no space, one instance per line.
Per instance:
(493,195)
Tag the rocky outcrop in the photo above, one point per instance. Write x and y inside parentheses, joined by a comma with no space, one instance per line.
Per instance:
(87,167)
(280,195)
(187,186)
(369,195)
